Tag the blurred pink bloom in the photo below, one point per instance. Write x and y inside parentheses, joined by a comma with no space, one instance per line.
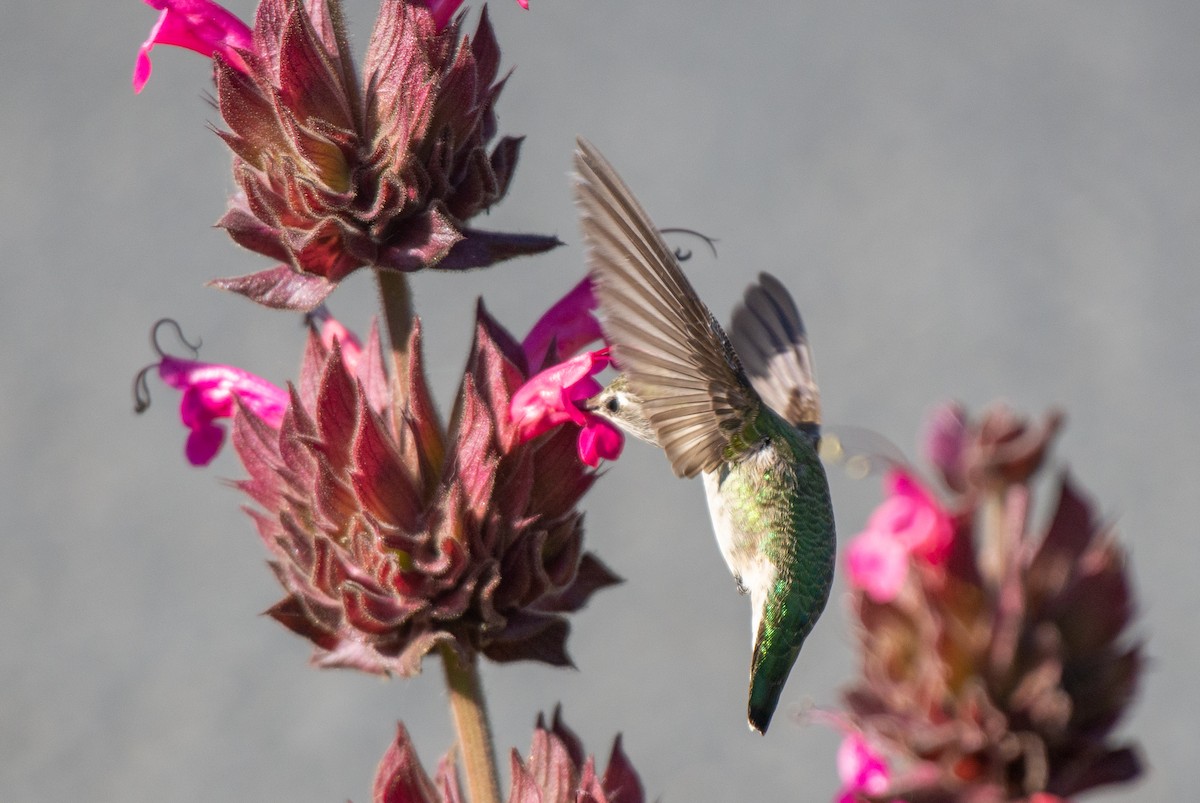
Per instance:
(199,25)
(553,396)
(209,392)
(915,518)
(878,564)
(861,768)
(569,324)
(909,523)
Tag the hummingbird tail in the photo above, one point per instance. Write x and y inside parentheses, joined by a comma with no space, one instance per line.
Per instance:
(769,670)
(765,690)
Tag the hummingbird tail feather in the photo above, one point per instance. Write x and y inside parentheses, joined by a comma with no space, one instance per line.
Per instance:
(765,690)
(769,670)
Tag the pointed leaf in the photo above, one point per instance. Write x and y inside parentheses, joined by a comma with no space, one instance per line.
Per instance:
(400,777)
(621,783)
(478,249)
(280,287)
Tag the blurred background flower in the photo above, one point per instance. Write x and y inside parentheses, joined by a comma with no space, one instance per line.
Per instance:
(997,671)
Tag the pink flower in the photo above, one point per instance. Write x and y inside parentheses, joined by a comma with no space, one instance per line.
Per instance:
(553,396)
(909,524)
(913,516)
(443,10)
(569,324)
(862,769)
(209,393)
(878,564)
(199,25)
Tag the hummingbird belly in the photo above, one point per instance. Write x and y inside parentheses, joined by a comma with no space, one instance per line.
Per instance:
(730,492)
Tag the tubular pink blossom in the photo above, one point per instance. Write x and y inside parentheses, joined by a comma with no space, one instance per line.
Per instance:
(914,517)
(599,439)
(209,392)
(878,564)
(199,25)
(570,324)
(908,524)
(861,768)
(553,396)
(443,10)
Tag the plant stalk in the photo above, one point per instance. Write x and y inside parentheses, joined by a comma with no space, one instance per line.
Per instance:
(474,730)
(395,298)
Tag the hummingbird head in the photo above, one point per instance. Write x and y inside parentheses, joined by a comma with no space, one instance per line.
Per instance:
(619,405)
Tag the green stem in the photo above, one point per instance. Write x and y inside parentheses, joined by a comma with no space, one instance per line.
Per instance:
(474,731)
(993,542)
(395,298)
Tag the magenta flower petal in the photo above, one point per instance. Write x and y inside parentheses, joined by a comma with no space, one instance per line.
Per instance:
(914,516)
(549,397)
(877,563)
(209,393)
(203,443)
(443,10)
(570,324)
(599,439)
(199,25)
(861,768)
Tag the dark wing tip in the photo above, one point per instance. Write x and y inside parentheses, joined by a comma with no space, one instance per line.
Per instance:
(771,339)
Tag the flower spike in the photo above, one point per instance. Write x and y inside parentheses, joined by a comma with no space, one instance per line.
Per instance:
(997,659)
(391,539)
(335,172)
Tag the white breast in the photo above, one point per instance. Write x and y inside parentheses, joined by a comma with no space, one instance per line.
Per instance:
(752,571)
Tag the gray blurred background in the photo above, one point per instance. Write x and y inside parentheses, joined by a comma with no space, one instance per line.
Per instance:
(970,200)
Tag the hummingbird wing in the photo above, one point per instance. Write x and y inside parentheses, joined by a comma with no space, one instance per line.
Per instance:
(676,356)
(771,341)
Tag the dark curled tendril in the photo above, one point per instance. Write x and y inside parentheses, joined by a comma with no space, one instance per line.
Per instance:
(141,387)
(683,255)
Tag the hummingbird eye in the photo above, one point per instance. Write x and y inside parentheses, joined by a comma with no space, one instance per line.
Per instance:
(612,404)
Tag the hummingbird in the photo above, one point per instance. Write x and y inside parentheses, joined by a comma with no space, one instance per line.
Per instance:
(747,419)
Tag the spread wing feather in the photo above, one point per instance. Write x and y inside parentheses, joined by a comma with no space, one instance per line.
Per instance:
(674,353)
(770,338)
